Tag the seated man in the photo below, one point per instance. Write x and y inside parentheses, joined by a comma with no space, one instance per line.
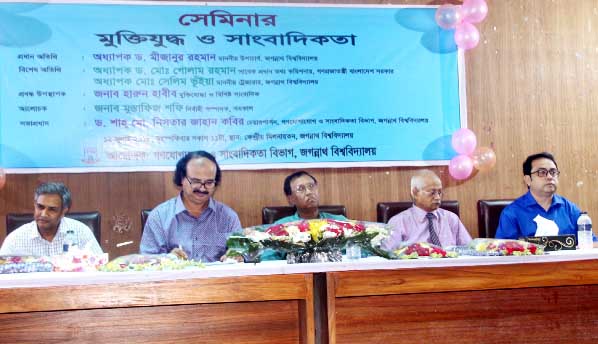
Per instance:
(425,220)
(45,235)
(301,189)
(540,211)
(192,225)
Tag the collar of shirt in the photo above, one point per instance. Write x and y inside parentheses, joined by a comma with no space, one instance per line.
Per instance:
(420,214)
(34,232)
(179,206)
(529,200)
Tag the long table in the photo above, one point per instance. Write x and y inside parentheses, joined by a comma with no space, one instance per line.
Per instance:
(548,298)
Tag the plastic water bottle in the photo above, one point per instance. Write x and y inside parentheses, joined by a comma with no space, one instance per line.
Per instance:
(584,232)
(353,250)
(70,241)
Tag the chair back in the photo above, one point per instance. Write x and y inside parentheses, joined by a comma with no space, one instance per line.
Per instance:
(92,219)
(386,210)
(272,214)
(488,215)
(144,215)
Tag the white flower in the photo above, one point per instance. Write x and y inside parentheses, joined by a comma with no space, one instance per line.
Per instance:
(348,232)
(292,229)
(301,237)
(328,235)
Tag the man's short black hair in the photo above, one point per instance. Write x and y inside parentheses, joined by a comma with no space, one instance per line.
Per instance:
(181,167)
(293,176)
(527,164)
(54,188)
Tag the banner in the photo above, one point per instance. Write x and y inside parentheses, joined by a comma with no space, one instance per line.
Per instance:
(136,85)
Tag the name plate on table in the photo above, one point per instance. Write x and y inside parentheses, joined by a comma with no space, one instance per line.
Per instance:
(554,242)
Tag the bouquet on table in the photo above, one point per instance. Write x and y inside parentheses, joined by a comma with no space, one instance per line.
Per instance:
(422,249)
(19,264)
(310,241)
(504,247)
(150,262)
(78,259)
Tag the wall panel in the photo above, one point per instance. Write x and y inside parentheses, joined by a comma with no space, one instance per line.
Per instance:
(532,85)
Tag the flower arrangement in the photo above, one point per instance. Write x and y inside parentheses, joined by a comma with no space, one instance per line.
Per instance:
(149,262)
(311,240)
(505,247)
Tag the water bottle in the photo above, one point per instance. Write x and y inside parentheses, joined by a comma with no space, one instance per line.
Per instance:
(70,241)
(584,231)
(353,250)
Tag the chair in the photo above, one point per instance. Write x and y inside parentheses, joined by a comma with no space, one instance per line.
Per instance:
(92,219)
(489,214)
(144,215)
(272,214)
(386,210)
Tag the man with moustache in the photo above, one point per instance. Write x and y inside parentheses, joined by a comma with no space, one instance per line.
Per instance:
(45,235)
(425,221)
(540,210)
(192,225)
(301,189)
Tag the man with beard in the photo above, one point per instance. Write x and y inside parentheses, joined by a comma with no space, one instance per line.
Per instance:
(540,211)
(192,225)
(45,235)
(301,189)
(425,221)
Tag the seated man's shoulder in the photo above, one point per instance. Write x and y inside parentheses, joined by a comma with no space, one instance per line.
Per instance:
(449,214)
(566,201)
(401,215)
(223,208)
(167,205)
(24,229)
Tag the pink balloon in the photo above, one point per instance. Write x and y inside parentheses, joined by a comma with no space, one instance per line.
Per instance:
(474,11)
(448,16)
(483,159)
(464,141)
(466,36)
(460,167)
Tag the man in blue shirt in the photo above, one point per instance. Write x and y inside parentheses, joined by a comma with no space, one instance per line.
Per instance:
(540,211)
(301,189)
(192,225)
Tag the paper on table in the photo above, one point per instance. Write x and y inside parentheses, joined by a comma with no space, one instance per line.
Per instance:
(545,227)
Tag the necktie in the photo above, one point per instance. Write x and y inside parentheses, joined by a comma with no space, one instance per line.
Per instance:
(433,236)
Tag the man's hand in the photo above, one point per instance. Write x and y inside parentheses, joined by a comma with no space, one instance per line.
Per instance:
(239,259)
(179,252)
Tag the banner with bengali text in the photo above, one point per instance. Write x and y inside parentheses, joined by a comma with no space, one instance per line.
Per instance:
(133,86)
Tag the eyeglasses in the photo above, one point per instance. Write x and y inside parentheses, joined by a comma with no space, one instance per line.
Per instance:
(542,172)
(433,192)
(304,188)
(208,184)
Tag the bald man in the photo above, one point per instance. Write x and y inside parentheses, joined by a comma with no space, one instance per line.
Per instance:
(425,221)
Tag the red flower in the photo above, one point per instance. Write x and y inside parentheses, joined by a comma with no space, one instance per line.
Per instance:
(277,230)
(303,226)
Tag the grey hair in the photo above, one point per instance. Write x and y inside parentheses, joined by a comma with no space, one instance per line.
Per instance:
(54,188)
(418,179)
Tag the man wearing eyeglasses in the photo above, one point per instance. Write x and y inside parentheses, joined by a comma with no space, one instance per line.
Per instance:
(540,211)
(425,221)
(301,189)
(192,225)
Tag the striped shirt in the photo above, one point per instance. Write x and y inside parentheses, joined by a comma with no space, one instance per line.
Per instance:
(170,225)
(26,239)
(411,226)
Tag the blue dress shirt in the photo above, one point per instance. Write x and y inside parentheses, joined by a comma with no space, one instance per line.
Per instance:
(517,219)
(204,238)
